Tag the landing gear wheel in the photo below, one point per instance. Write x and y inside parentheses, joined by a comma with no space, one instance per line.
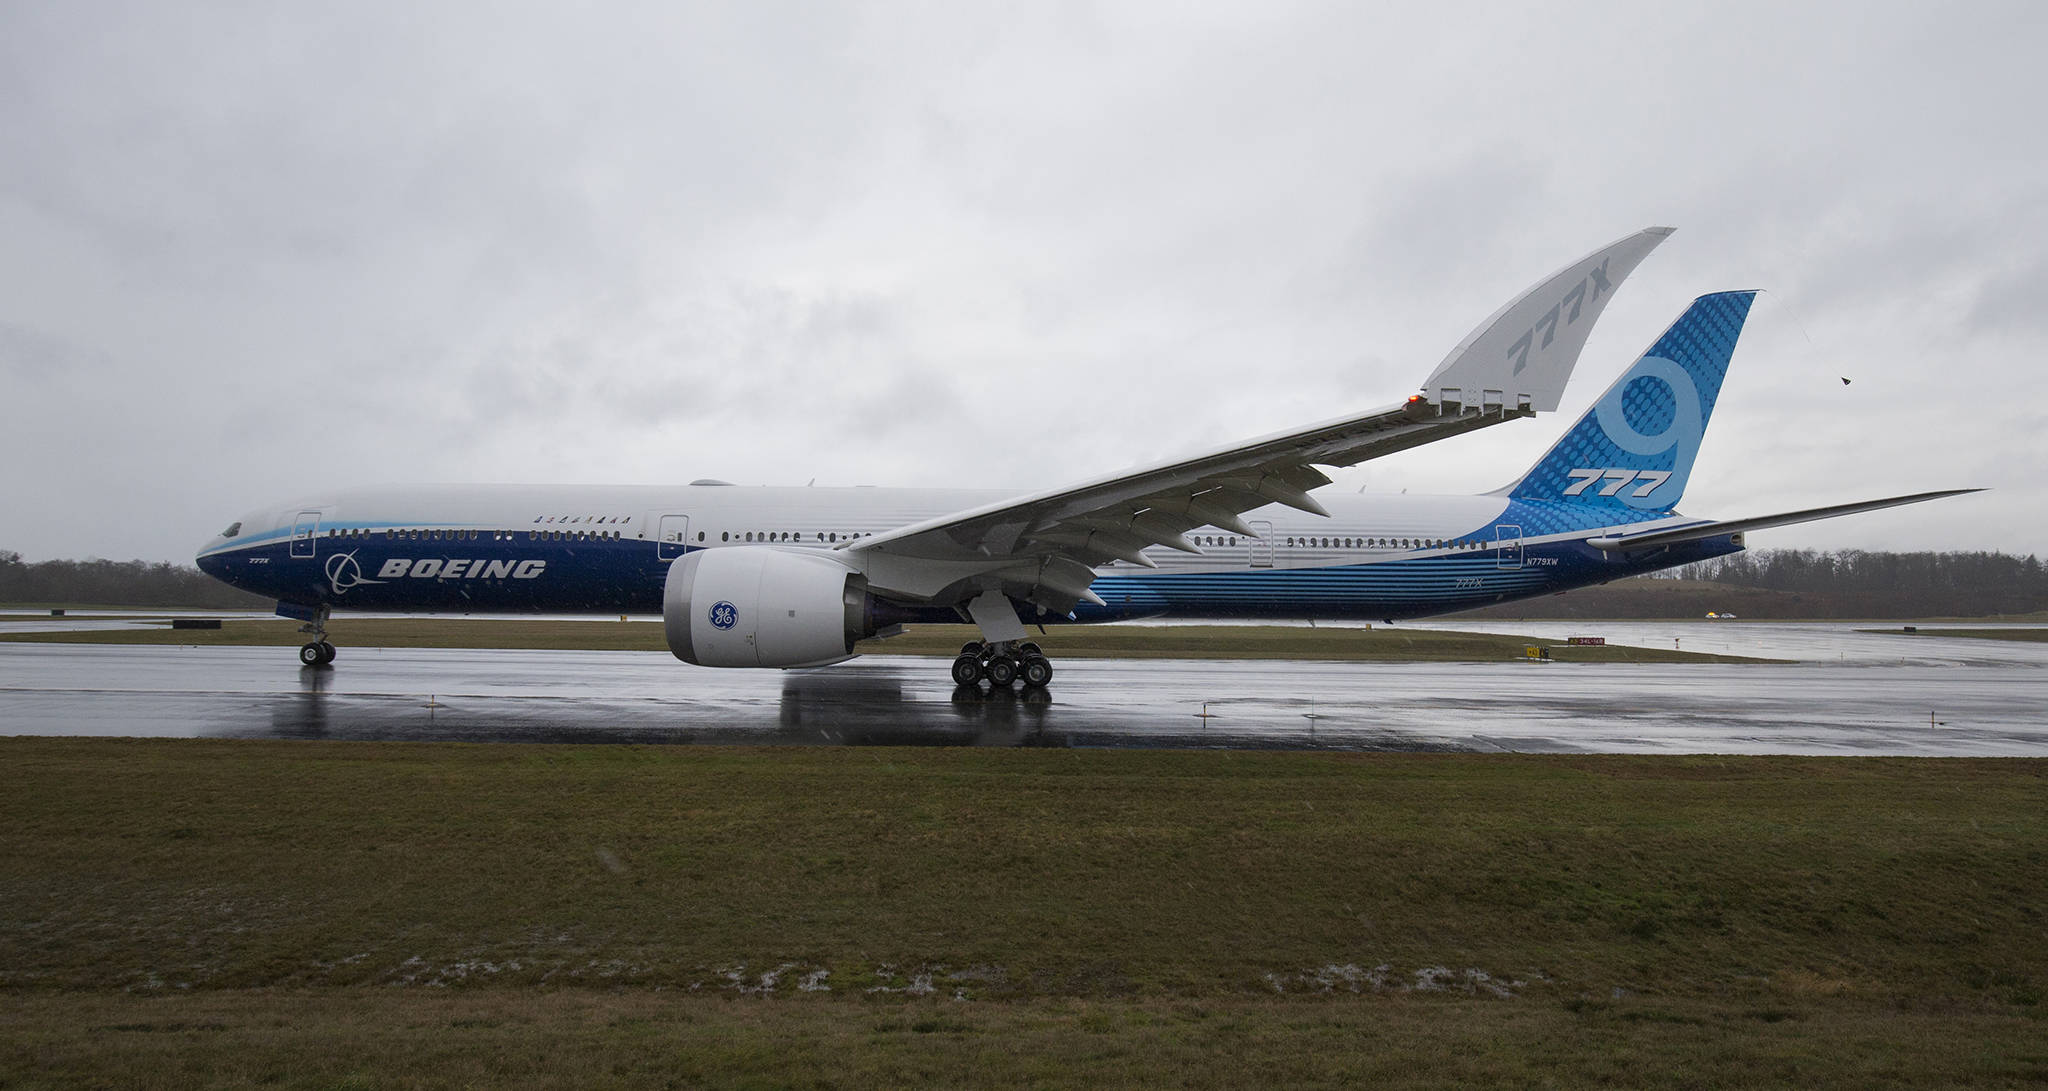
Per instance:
(326,653)
(1001,671)
(972,647)
(1037,671)
(1028,649)
(313,654)
(967,670)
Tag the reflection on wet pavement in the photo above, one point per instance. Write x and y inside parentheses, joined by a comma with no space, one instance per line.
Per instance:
(1855,694)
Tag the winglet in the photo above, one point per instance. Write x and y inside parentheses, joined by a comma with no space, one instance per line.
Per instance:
(1523,354)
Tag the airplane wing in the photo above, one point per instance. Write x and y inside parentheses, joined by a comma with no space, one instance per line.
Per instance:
(1658,538)
(1043,547)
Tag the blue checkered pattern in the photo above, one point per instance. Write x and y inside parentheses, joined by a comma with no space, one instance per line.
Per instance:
(1649,422)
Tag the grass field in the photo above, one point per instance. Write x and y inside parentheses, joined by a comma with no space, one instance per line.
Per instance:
(1075,641)
(323,914)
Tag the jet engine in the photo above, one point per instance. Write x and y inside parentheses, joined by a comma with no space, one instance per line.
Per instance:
(752,606)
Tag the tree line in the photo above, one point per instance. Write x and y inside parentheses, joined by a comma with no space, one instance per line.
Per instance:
(1904,584)
(117,583)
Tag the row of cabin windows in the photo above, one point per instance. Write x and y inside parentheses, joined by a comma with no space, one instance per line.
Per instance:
(1357,543)
(1389,543)
(783,536)
(430,535)
(834,536)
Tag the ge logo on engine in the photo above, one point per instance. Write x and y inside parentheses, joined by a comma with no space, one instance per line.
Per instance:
(724,615)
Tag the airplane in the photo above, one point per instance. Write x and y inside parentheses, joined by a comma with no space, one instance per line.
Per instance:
(786,577)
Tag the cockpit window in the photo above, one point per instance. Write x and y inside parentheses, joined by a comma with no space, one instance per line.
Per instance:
(233,529)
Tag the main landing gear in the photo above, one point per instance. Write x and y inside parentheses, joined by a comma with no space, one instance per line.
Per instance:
(1003,663)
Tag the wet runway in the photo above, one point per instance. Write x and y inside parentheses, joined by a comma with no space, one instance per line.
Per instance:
(1852,693)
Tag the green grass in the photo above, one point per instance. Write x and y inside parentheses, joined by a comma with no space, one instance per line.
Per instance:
(1073,641)
(2035,636)
(317,913)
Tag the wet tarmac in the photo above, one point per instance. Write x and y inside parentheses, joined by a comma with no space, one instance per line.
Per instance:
(1851,693)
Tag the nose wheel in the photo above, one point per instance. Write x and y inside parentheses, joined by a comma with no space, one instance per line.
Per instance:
(316,652)
(1002,664)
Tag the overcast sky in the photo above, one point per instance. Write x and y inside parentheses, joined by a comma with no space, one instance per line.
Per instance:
(252,252)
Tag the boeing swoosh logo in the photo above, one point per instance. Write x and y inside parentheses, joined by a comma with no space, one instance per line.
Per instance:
(343,573)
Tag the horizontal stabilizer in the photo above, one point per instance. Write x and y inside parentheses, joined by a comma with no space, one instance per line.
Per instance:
(1658,538)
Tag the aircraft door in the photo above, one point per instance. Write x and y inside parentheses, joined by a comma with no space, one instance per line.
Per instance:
(1507,537)
(1262,546)
(674,531)
(305,533)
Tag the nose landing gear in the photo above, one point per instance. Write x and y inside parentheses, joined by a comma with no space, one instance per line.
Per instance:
(316,652)
(1002,663)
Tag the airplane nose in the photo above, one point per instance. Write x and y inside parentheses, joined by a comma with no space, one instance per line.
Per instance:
(214,565)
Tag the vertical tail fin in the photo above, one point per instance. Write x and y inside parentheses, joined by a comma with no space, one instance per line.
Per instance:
(1634,449)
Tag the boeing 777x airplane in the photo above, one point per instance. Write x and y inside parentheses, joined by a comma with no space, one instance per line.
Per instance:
(792,577)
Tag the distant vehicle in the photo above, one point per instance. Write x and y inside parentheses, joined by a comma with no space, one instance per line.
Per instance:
(1720,616)
(792,577)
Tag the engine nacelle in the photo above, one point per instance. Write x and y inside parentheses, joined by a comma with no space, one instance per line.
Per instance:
(753,606)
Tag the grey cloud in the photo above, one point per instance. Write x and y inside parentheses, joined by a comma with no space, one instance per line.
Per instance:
(970,244)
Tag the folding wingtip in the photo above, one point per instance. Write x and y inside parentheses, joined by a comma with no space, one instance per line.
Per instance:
(1524,353)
